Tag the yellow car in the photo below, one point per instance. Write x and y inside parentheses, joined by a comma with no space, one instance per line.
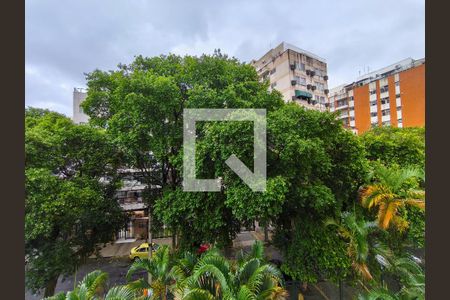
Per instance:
(141,251)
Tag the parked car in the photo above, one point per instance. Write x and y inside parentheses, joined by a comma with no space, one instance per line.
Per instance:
(141,251)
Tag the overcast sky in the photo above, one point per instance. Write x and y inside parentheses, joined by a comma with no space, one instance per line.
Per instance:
(65,39)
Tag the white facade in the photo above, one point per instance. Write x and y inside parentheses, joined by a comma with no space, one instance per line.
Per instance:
(79,117)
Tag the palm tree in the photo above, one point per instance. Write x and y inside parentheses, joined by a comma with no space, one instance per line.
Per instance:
(159,266)
(93,287)
(214,277)
(391,191)
(356,233)
(412,279)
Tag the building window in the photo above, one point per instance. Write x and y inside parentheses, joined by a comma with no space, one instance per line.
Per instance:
(352,118)
(400,120)
(397,96)
(373,102)
(322,99)
(386,112)
(273,71)
(397,83)
(399,108)
(373,114)
(384,89)
(387,123)
(300,66)
(385,100)
(373,92)
(319,85)
(300,80)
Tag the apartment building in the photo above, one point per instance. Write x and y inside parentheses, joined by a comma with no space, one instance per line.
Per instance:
(79,117)
(299,75)
(391,96)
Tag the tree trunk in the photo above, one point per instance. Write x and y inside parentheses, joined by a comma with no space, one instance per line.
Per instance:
(341,290)
(150,241)
(174,240)
(50,287)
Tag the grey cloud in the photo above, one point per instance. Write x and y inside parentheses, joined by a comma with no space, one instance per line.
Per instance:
(64,39)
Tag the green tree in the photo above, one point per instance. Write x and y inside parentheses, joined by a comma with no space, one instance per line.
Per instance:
(94,286)
(159,266)
(355,231)
(393,189)
(69,205)
(141,106)
(251,277)
(401,146)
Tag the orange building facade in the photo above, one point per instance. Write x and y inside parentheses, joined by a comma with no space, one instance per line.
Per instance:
(392,96)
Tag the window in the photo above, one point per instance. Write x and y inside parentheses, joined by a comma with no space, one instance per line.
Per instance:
(386,112)
(385,100)
(386,123)
(397,96)
(319,85)
(322,99)
(399,108)
(300,66)
(300,80)
(352,118)
(384,89)
(397,83)
(373,102)
(373,114)
(400,120)
(373,92)
(273,71)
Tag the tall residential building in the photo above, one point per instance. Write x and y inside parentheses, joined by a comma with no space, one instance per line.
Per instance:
(394,95)
(79,117)
(299,75)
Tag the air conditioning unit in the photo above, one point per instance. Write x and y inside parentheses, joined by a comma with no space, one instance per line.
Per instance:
(312,73)
(325,77)
(308,72)
(292,66)
(293,82)
(326,91)
(313,87)
(308,86)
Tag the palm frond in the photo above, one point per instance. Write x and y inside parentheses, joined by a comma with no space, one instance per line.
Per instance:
(198,294)
(120,293)
(245,294)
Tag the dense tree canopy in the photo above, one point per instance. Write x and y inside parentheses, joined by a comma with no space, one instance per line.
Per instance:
(391,145)
(69,206)
(315,166)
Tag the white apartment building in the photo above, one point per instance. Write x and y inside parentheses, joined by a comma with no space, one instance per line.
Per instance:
(299,75)
(79,117)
